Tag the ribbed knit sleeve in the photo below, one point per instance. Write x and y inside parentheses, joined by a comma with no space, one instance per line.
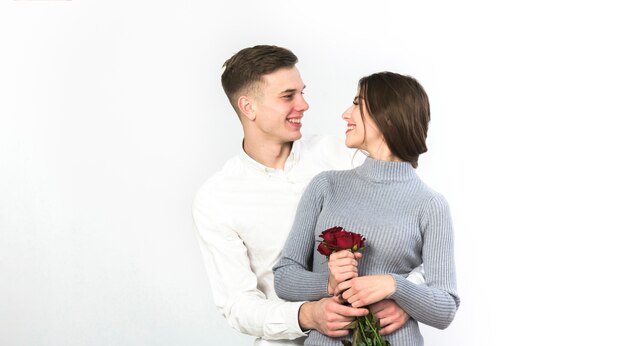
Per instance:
(435,303)
(293,278)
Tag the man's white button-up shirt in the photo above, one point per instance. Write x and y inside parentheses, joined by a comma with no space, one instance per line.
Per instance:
(243,214)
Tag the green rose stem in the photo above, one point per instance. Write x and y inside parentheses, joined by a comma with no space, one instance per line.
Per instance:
(362,332)
(369,323)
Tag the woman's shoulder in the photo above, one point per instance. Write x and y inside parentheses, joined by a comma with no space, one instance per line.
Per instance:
(428,194)
(328,181)
(433,202)
(323,183)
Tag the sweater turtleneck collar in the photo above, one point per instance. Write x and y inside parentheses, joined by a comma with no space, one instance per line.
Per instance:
(381,171)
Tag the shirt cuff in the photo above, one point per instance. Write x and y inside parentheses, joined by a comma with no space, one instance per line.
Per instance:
(287,322)
(307,331)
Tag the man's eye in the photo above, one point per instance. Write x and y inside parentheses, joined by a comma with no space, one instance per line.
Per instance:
(288,97)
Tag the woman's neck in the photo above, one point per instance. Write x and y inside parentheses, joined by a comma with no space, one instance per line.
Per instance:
(380,151)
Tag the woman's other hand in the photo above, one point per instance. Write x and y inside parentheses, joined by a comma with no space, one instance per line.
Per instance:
(365,290)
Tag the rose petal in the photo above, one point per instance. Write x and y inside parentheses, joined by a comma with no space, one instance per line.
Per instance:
(324,250)
(344,241)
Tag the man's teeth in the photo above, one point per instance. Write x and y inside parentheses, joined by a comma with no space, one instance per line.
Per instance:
(295,121)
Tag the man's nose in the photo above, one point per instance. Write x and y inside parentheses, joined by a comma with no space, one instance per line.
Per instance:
(302,104)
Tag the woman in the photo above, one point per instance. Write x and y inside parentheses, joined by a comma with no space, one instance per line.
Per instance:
(404,222)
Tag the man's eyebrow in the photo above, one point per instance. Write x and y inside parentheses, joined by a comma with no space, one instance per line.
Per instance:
(290,91)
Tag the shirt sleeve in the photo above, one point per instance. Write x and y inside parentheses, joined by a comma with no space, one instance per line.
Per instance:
(232,282)
(293,276)
(436,301)
(416,276)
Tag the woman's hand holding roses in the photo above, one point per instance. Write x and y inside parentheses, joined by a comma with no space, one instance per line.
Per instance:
(342,266)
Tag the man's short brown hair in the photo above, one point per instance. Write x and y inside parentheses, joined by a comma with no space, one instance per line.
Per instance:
(247,67)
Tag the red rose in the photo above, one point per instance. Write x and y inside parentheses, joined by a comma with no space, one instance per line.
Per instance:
(324,250)
(336,239)
(328,236)
(344,240)
(358,241)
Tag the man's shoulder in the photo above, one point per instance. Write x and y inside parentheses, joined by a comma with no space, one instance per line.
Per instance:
(231,170)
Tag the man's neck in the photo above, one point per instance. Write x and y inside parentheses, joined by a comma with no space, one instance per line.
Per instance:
(269,154)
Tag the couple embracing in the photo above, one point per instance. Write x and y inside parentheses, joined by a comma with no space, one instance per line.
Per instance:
(260,218)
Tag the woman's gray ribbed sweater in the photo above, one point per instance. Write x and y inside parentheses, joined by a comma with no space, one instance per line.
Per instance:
(405,224)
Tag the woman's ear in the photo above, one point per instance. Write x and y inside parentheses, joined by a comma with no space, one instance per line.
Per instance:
(246,107)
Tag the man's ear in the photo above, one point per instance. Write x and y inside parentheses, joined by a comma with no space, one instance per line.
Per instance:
(246,107)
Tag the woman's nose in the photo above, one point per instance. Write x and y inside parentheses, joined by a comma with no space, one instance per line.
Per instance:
(346,114)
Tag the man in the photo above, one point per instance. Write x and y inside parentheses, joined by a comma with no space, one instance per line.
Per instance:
(244,212)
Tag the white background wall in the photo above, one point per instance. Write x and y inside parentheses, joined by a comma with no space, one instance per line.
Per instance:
(112,115)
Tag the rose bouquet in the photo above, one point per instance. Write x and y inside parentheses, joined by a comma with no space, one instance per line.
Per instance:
(366,328)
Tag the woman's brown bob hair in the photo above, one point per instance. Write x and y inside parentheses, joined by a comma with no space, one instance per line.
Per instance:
(399,107)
